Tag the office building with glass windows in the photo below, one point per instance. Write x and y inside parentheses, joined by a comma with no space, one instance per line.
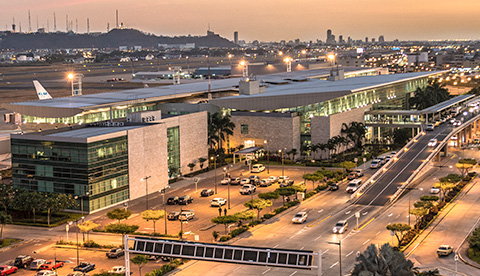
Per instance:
(104,166)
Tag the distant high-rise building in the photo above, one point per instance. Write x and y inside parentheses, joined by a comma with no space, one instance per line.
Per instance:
(235,37)
(297,41)
(330,37)
(13,25)
(381,39)
(366,39)
(340,39)
(349,40)
(373,39)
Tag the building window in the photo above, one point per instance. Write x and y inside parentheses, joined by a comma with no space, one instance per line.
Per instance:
(173,149)
(244,128)
(249,143)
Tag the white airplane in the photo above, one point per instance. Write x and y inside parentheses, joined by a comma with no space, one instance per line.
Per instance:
(41,92)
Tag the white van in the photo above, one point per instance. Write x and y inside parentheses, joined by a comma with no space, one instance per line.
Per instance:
(258,168)
(353,185)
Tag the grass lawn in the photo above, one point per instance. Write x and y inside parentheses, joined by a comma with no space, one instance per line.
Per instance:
(7,242)
(474,255)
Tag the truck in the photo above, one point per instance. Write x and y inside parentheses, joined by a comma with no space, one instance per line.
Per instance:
(247,189)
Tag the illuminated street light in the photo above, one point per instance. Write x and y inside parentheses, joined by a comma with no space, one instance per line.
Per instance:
(76,83)
(288,61)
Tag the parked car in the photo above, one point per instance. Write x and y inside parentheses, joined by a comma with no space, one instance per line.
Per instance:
(387,158)
(172,200)
(218,201)
(184,200)
(432,142)
(247,189)
(117,270)
(476,141)
(283,178)
(46,273)
(382,160)
(23,261)
(225,181)
(115,253)
(235,181)
(434,190)
(376,163)
(257,168)
(265,182)
(287,183)
(254,179)
(186,215)
(173,215)
(206,192)
(431,127)
(51,265)
(35,265)
(444,250)
(333,187)
(352,175)
(77,273)
(340,227)
(6,269)
(84,267)
(245,181)
(274,179)
(300,217)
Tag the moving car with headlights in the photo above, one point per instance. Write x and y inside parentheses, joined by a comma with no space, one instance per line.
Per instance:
(300,217)
(444,250)
(434,190)
(353,185)
(432,142)
(218,201)
(6,269)
(430,127)
(340,227)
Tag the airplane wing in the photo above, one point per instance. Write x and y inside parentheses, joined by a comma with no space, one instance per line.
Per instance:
(41,92)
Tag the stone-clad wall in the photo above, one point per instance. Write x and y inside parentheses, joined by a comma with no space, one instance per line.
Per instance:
(281,131)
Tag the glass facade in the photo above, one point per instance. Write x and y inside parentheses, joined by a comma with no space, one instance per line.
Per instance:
(99,169)
(173,151)
(95,115)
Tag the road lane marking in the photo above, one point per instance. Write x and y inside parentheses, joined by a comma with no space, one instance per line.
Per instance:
(391,214)
(311,225)
(237,268)
(276,246)
(378,233)
(397,216)
(348,212)
(364,214)
(317,238)
(266,271)
(366,241)
(364,225)
(186,190)
(325,251)
(295,272)
(333,265)
(349,254)
(302,248)
(320,211)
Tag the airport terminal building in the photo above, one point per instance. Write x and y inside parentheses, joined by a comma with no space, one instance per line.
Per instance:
(106,143)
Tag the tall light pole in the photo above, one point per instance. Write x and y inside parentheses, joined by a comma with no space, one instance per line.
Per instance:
(283,165)
(164,206)
(268,157)
(146,189)
(339,243)
(228,186)
(409,199)
(288,61)
(76,224)
(76,80)
(214,158)
(81,200)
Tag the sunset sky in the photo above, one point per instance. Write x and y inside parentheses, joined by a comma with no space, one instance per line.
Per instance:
(264,20)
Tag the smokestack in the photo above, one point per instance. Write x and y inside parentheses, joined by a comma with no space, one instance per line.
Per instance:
(13,25)
(116,22)
(54,22)
(66,22)
(88,25)
(29,22)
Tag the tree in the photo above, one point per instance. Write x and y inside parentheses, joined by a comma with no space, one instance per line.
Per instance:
(465,165)
(220,127)
(385,261)
(87,226)
(121,228)
(54,202)
(258,204)
(139,260)
(474,239)
(310,177)
(269,196)
(245,215)
(398,229)
(401,136)
(202,160)
(4,219)
(444,187)
(285,191)
(418,213)
(119,214)
(215,235)
(225,220)
(355,132)
(452,177)
(153,215)
(292,152)
(348,165)
(191,166)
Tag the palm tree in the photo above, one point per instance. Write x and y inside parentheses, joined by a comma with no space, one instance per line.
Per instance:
(225,128)
(355,132)
(219,128)
(428,96)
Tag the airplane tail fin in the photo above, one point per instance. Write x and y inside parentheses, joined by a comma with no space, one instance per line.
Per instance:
(41,92)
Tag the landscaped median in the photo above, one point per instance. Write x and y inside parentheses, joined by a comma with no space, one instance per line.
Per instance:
(428,209)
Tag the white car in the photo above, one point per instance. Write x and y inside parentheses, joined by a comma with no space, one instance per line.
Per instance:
(430,127)
(432,142)
(258,168)
(340,227)
(283,179)
(225,181)
(375,164)
(434,190)
(273,179)
(244,181)
(218,201)
(265,182)
(300,217)
(117,270)
(46,273)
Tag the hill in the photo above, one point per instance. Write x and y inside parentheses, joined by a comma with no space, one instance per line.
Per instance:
(112,39)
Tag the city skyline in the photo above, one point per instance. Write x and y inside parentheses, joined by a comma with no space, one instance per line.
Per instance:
(266,21)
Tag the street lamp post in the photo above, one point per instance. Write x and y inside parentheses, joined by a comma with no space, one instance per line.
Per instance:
(164,206)
(225,170)
(76,224)
(339,243)
(146,189)
(81,200)
(283,164)
(214,158)
(268,157)
(409,199)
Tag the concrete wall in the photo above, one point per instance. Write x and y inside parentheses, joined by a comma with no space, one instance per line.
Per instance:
(5,145)
(147,156)
(193,138)
(281,130)
(324,128)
